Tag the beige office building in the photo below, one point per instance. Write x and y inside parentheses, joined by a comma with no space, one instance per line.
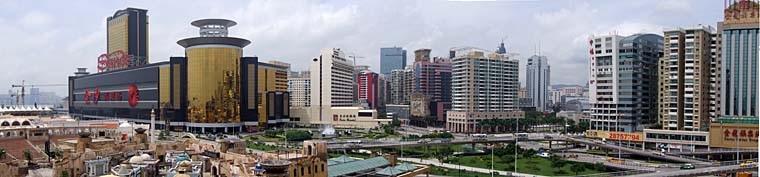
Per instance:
(484,86)
(684,79)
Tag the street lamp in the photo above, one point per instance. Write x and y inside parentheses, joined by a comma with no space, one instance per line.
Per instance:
(517,130)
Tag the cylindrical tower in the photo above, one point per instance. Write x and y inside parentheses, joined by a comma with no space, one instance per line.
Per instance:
(213,73)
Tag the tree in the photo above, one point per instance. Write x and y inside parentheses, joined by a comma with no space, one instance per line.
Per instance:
(556,162)
(271,133)
(297,135)
(528,154)
(395,123)
(577,167)
(27,155)
(445,135)
(442,154)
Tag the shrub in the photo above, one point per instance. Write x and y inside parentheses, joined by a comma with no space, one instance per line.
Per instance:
(297,135)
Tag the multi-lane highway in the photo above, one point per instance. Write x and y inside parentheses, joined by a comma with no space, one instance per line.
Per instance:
(700,171)
(389,143)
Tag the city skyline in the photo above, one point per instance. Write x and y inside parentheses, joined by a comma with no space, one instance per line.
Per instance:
(76,35)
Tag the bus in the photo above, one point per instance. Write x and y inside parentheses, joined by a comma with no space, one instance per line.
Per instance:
(522,136)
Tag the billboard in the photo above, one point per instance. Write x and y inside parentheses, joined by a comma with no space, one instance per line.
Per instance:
(625,136)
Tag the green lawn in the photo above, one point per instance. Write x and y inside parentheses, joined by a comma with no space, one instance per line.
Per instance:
(262,147)
(536,165)
(264,138)
(435,170)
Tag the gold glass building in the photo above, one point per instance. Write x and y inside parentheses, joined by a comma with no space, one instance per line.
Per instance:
(272,79)
(127,31)
(215,83)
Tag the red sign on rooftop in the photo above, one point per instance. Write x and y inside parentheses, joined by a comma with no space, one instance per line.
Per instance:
(114,60)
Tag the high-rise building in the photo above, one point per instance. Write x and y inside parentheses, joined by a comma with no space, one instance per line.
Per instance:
(273,90)
(537,81)
(299,86)
(128,33)
(623,81)
(432,78)
(483,87)
(684,79)
(368,90)
(332,92)
(397,86)
(212,89)
(409,83)
(392,58)
(738,59)
(331,78)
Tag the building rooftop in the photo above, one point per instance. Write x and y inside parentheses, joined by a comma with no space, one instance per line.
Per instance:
(747,120)
(356,166)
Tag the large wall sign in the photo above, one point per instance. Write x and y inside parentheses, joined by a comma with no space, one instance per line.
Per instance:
(95,96)
(134,95)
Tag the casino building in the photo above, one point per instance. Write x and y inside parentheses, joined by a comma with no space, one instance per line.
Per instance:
(213,88)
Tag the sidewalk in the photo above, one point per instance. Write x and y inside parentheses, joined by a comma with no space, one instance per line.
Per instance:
(453,166)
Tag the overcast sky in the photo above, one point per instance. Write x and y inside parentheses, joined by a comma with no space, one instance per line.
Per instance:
(43,42)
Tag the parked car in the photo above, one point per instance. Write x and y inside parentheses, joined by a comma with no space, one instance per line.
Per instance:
(687,166)
(548,137)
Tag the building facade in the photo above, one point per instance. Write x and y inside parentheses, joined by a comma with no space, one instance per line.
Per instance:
(483,87)
(623,81)
(537,81)
(127,34)
(738,58)
(397,86)
(369,88)
(299,86)
(432,78)
(332,92)
(684,79)
(392,58)
(212,89)
(273,90)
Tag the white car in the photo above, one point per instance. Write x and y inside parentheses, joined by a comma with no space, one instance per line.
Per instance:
(544,154)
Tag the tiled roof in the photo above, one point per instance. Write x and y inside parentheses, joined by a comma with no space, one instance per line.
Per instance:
(356,166)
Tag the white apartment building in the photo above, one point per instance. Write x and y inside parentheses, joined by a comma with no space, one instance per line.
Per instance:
(299,86)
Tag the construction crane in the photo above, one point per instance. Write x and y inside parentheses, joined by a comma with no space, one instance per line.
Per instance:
(23,86)
(353,56)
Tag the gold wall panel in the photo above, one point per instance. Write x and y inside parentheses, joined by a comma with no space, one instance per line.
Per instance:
(118,34)
(213,85)
(164,87)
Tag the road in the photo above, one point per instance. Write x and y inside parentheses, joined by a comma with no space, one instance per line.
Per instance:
(454,166)
(653,154)
(627,164)
(699,171)
(368,144)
